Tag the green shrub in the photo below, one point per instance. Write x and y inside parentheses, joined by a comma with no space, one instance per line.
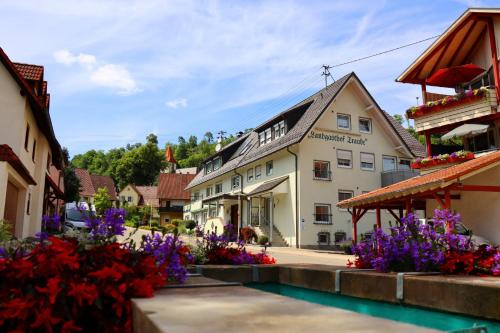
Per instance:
(5,231)
(190,224)
(176,222)
(263,240)
(170,228)
(190,232)
(181,230)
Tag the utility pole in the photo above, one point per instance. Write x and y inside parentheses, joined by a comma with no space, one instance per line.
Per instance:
(326,73)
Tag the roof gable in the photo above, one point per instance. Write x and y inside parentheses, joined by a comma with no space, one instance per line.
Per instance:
(172,186)
(104,182)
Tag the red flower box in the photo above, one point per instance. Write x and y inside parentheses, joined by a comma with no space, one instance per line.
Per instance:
(428,162)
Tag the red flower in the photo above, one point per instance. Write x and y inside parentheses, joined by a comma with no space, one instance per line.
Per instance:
(21,268)
(115,272)
(53,288)
(69,327)
(83,292)
(44,319)
(16,308)
(141,288)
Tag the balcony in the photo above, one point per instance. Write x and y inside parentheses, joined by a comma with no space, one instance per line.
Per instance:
(171,209)
(463,107)
(396,176)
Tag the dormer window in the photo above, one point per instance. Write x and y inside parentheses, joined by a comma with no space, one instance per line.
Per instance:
(271,133)
(217,163)
(279,129)
(262,138)
(267,132)
(208,167)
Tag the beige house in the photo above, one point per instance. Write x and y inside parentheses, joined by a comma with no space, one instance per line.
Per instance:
(286,176)
(31,181)
(140,196)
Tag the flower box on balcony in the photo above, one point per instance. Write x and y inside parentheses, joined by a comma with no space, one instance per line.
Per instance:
(447,102)
(428,162)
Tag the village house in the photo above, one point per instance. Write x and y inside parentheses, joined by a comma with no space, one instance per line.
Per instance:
(140,196)
(285,177)
(465,60)
(172,195)
(89,184)
(31,180)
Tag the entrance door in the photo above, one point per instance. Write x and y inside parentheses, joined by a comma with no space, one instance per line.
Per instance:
(11,199)
(234,217)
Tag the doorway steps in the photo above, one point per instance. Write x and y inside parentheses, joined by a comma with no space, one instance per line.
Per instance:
(278,240)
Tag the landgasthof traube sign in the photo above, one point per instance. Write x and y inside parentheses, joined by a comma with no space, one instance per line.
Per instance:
(337,138)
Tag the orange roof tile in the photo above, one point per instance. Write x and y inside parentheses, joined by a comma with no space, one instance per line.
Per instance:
(86,187)
(106,182)
(437,179)
(172,185)
(149,195)
(29,71)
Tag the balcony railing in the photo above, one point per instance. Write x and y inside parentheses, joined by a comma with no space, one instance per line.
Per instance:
(322,218)
(396,176)
(322,174)
(171,209)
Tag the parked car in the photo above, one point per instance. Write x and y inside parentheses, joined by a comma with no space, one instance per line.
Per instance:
(76,214)
(463,230)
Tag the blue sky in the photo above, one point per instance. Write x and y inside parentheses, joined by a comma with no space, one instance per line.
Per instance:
(119,70)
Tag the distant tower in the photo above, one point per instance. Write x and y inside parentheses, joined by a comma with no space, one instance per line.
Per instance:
(220,138)
(171,162)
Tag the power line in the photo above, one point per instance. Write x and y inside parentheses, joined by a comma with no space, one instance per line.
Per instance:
(384,52)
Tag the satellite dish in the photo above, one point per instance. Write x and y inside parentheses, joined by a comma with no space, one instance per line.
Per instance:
(218,146)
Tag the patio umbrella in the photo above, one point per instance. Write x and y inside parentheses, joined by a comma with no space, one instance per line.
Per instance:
(452,76)
(466,129)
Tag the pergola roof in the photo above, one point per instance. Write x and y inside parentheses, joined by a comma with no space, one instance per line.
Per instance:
(421,184)
(454,47)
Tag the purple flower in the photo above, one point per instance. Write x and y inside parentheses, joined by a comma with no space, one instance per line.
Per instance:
(110,225)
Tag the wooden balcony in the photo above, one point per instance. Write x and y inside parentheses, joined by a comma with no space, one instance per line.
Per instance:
(461,112)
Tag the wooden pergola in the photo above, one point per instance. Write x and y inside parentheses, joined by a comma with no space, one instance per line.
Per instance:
(401,198)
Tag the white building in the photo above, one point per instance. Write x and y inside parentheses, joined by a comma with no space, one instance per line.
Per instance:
(288,173)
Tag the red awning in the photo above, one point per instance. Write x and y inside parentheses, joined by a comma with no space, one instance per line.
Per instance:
(453,76)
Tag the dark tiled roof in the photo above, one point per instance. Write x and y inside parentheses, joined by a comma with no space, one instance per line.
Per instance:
(315,105)
(172,186)
(267,186)
(437,179)
(86,186)
(30,72)
(106,182)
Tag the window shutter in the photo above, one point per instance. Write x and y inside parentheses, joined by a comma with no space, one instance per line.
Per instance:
(344,154)
(367,158)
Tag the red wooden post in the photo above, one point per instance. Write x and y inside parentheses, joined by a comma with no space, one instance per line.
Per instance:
(494,58)
(408,206)
(354,226)
(428,143)
(379,223)
(447,199)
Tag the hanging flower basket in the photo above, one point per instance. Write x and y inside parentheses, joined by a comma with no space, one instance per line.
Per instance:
(456,157)
(449,101)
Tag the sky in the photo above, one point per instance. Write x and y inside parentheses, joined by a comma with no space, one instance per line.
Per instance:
(119,70)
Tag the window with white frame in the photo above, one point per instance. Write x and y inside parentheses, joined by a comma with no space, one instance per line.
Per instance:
(258,172)
(217,163)
(388,163)
(245,148)
(322,170)
(323,238)
(365,125)
(344,195)
(235,182)
(208,167)
(322,214)
(344,158)
(196,196)
(129,198)
(208,191)
(262,138)
(268,135)
(218,188)
(279,129)
(250,175)
(344,121)
(269,168)
(404,164)
(367,161)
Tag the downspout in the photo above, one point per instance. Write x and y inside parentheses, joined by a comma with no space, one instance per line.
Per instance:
(297,222)
(240,206)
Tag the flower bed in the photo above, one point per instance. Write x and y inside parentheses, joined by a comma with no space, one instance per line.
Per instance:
(447,102)
(414,246)
(456,157)
(83,282)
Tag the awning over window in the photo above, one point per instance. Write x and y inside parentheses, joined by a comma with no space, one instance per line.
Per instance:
(271,186)
(466,129)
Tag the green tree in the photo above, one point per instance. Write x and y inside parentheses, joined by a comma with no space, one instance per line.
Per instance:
(399,118)
(102,200)
(71,185)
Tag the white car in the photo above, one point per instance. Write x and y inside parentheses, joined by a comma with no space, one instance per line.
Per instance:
(75,215)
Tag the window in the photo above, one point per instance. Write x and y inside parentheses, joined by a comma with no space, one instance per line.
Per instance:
(209,191)
(367,161)
(48,162)
(324,238)
(129,198)
(250,175)
(122,198)
(404,164)
(212,211)
(208,167)
(27,137)
(218,188)
(344,158)
(258,172)
(322,170)
(235,182)
(344,195)
(344,121)
(322,214)
(196,196)
(33,153)
(279,129)
(245,148)
(388,163)
(268,135)
(262,138)
(217,163)
(269,168)
(365,125)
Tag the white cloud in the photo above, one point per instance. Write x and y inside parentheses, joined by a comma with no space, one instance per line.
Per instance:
(177,103)
(115,77)
(67,58)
